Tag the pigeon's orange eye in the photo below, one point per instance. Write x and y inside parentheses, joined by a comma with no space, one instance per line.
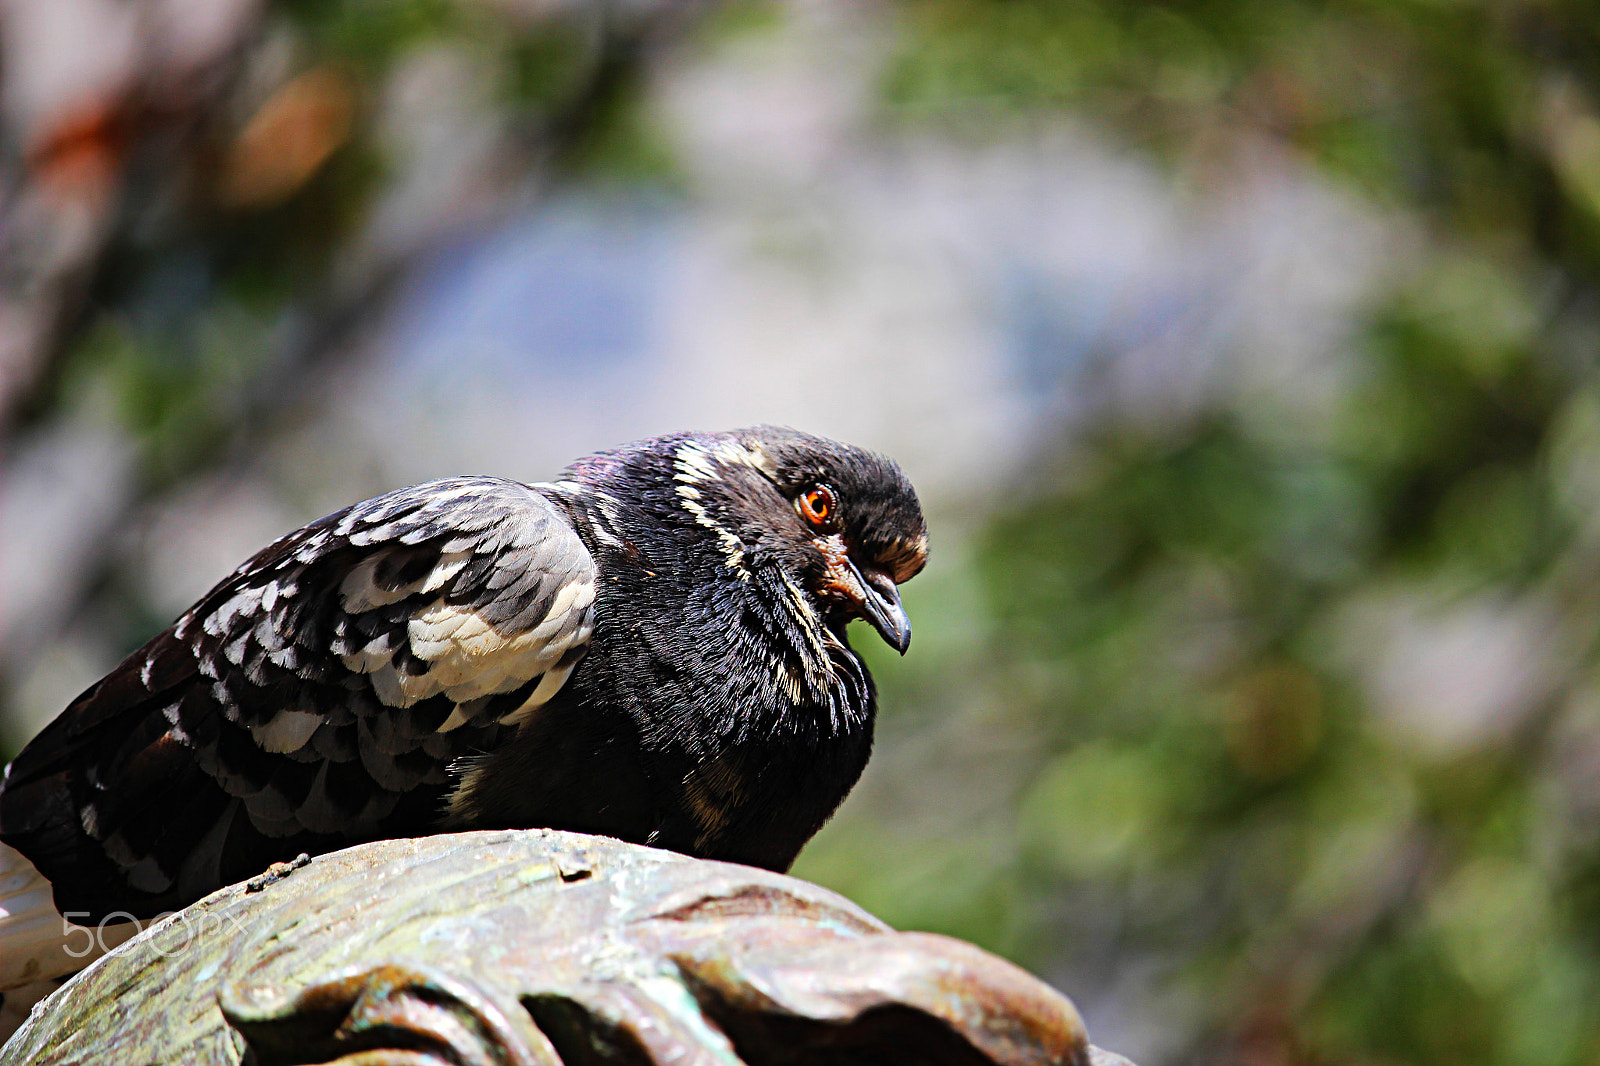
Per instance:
(816,505)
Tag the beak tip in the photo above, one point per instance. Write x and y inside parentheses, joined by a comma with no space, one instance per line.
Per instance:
(879,601)
(895,629)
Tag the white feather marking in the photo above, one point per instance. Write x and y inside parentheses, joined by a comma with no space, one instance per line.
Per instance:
(608,514)
(359,590)
(375,655)
(548,686)
(375,535)
(460,801)
(401,690)
(459,717)
(694,463)
(475,638)
(287,657)
(234,650)
(818,665)
(449,565)
(435,630)
(313,545)
(220,621)
(574,595)
(287,731)
(468,658)
(790,682)
(733,452)
(694,466)
(732,547)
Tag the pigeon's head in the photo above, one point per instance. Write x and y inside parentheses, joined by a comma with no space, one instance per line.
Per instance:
(838,527)
(843,523)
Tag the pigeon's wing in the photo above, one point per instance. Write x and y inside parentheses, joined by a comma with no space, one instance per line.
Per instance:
(314,698)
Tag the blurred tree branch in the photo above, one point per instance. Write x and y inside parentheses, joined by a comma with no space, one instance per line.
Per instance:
(242,175)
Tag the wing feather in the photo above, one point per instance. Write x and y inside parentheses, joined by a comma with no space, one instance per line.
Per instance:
(316,696)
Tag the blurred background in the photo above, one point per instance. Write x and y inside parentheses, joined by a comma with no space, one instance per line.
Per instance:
(1244,353)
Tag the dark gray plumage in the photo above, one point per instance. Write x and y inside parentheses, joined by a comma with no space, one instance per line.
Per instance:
(652,648)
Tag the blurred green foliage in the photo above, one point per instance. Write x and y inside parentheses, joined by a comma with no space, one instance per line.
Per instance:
(1198,625)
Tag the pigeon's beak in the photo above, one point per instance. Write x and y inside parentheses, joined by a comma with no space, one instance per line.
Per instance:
(872,593)
(880,605)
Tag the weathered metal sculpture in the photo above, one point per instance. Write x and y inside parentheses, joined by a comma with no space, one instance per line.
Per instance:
(542,947)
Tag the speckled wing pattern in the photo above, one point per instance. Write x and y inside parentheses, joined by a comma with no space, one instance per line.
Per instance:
(317,695)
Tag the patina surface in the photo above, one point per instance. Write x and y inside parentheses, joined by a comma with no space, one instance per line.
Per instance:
(543,947)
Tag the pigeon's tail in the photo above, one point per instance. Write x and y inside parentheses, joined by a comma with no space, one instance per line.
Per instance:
(36,942)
